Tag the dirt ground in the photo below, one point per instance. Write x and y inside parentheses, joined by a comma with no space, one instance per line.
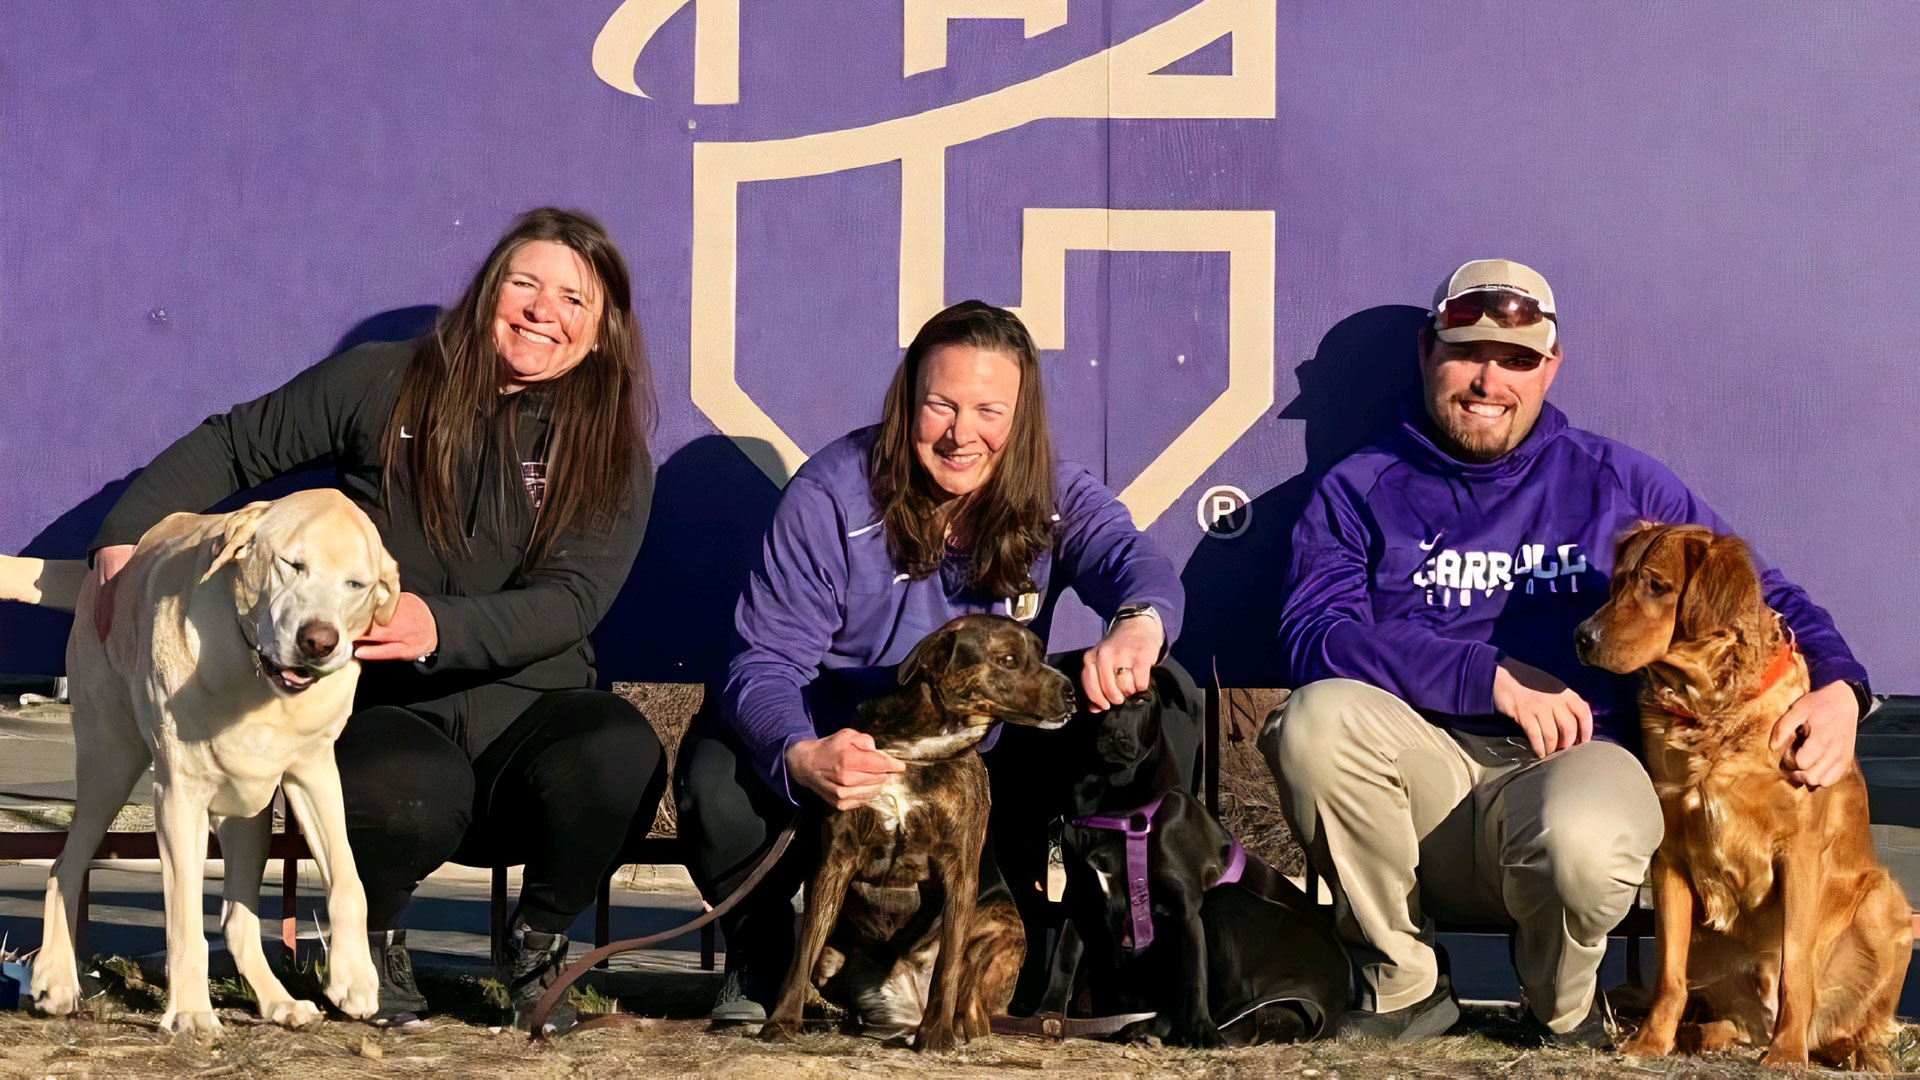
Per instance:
(126,1043)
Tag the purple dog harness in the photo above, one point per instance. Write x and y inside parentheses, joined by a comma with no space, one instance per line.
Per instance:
(1137,826)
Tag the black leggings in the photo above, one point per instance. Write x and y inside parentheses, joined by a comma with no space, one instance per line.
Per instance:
(729,816)
(560,790)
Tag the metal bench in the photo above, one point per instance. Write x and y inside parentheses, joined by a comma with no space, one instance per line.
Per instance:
(289,847)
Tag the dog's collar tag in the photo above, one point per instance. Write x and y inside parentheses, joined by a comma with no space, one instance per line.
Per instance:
(1056,887)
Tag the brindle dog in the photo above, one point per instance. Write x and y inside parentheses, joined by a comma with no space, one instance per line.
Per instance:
(896,926)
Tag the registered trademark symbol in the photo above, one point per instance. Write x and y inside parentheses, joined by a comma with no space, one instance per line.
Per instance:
(1224,512)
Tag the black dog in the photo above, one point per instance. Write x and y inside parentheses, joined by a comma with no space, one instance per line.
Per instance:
(897,924)
(1165,911)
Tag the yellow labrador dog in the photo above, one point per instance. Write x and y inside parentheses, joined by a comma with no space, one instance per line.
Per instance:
(230,667)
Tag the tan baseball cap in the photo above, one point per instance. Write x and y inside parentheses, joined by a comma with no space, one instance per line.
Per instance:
(1494,275)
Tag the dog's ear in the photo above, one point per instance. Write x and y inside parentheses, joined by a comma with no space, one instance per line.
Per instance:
(1722,589)
(238,538)
(1633,544)
(934,653)
(386,591)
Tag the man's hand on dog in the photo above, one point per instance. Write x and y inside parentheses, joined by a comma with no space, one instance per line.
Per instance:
(107,562)
(1815,736)
(844,769)
(1121,665)
(1553,716)
(411,635)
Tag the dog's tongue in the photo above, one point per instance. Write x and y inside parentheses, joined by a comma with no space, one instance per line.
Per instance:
(289,680)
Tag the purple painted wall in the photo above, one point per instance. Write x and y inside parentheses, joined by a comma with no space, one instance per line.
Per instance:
(1717,190)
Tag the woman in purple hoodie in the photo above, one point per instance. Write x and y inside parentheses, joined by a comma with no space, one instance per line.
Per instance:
(953,504)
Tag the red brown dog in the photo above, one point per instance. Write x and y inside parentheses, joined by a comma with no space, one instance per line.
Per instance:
(1803,937)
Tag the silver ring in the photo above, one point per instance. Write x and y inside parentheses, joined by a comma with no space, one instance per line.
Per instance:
(1121,670)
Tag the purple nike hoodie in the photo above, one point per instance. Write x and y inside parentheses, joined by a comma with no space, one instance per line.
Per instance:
(825,597)
(1416,572)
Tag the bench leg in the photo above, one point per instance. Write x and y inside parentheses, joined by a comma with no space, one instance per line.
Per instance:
(497,917)
(1636,977)
(289,878)
(80,922)
(289,898)
(603,915)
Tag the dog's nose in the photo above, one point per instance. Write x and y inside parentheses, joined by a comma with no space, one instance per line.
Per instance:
(317,640)
(1586,639)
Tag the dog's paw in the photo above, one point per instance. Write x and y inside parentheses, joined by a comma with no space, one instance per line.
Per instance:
(936,1038)
(776,1032)
(57,998)
(356,993)
(194,1024)
(291,1013)
(1203,1036)
(1779,1057)
(1646,1045)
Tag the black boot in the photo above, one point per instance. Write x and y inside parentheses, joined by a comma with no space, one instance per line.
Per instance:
(533,964)
(401,1002)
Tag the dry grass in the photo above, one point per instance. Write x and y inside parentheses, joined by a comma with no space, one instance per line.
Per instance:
(1249,800)
(669,707)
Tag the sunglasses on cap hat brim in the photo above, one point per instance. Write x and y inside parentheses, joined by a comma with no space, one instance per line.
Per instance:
(1505,306)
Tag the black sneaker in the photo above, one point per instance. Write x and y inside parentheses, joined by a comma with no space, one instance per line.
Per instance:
(1589,1034)
(1427,1018)
(401,1002)
(533,963)
(735,1006)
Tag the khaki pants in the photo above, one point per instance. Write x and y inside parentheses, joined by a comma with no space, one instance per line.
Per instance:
(1409,822)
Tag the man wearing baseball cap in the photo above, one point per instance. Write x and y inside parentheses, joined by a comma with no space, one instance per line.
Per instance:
(1445,754)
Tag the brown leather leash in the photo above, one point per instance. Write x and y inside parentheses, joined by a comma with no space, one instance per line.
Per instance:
(536,1022)
(1052,1025)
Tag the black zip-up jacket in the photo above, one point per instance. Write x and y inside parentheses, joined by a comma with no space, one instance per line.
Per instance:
(505,636)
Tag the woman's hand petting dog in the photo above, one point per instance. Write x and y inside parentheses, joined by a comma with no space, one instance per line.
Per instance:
(843,769)
(1815,735)
(1121,665)
(412,633)
(1552,715)
(107,562)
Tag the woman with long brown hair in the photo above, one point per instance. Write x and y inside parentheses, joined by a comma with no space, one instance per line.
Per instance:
(953,504)
(504,459)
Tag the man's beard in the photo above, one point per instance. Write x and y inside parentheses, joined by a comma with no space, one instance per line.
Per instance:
(1473,443)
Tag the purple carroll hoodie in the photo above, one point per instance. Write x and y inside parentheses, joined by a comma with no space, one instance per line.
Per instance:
(1417,572)
(825,597)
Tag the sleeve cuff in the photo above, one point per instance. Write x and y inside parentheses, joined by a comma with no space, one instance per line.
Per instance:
(450,655)
(1837,669)
(1476,682)
(776,771)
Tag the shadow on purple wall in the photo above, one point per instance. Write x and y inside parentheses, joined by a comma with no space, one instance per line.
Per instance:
(674,620)
(1354,382)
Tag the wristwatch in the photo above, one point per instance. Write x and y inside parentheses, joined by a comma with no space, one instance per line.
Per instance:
(1861,695)
(1132,611)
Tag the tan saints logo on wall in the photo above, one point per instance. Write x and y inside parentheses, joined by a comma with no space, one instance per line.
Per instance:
(1120,82)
